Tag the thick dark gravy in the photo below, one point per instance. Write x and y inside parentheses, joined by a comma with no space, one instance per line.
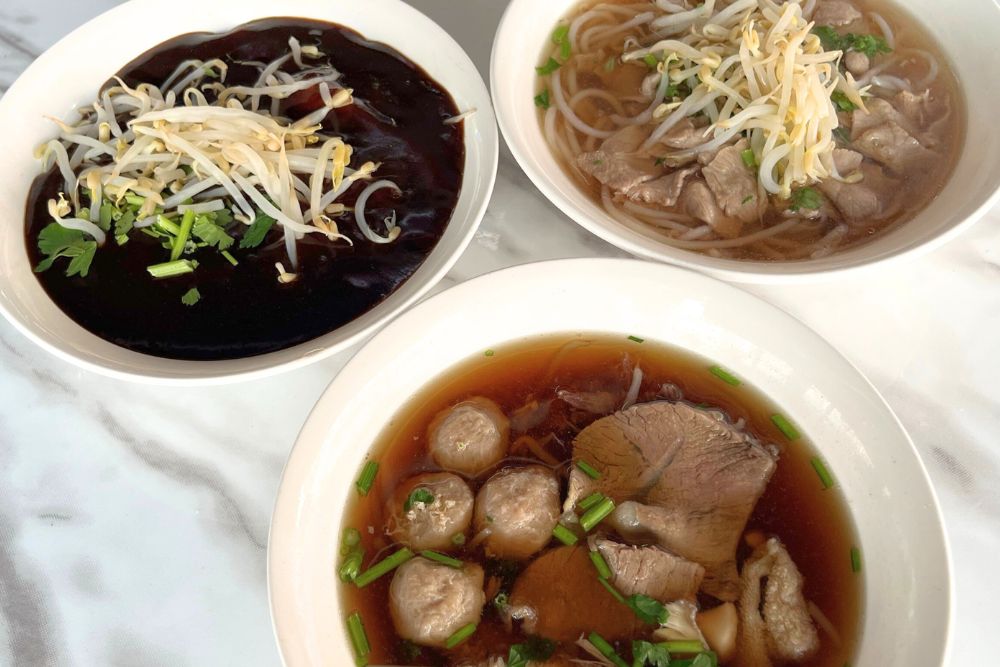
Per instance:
(244,310)
(813,523)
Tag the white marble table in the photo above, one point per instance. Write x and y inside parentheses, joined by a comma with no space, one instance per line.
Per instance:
(133,521)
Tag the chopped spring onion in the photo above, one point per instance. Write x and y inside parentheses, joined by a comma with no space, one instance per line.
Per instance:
(652,62)
(685,646)
(167,225)
(351,538)
(564,535)
(383,567)
(749,159)
(805,198)
(187,222)
(590,501)
(359,639)
(418,495)
(367,478)
(229,257)
(588,469)
(855,559)
(786,427)
(191,297)
(489,353)
(824,475)
(561,39)
(350,567)
(171,269)
(601,565)
(611,589)
(842,101)
(606,649)
(636,339)
(597,514)
(444,560)
(458,539)
(542,99)
(460,635)
(725,376)
(549,67)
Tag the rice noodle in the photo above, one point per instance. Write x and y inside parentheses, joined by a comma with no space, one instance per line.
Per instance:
(633,391)
(883,26)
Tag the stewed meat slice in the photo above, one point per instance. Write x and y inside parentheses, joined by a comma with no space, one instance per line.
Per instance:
(693,476)
(846,161)
(518,508)
(651,571)
(469,437)
(664,191)
(430,511)
(559,596)
(778,629)
(429,602)
(616,163)
(734,184)
(894,147)
(699,202)
(871,198)
(684,135)
(835,12)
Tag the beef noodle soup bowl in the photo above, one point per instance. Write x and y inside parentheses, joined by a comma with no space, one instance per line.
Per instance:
(754,139)
(230,192)
(485,490)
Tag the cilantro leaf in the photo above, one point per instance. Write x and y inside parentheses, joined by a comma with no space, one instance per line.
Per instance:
(208,232)
(829,37)
(418,495)
(123,226)
(542,99)
(105,216)
(255,235)
(191,297)
(805,198)
(549,67)
(534,649)
(870,45)
(645,654)
(706,659)
(647,609)
(56,241)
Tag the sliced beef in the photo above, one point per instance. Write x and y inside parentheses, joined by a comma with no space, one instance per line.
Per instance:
(775,626)
(558,596)
(664,191)
(869,198)
(894,147)
(429,602)
(857,63)
(685,134)
(879,112)
(616,163)
(734,184)
(651,571)
(693,478)
(925,112)
(846,161)
(698,201)
(835,12)
(599,402)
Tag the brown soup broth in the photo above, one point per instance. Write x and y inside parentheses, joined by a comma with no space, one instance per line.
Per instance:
(813,523)
(917,187)
(244,310)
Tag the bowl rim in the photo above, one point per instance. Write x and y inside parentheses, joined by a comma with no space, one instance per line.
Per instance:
(482,150)
(324,415)
(738,271)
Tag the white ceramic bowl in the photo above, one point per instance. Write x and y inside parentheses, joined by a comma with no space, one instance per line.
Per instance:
(907,575)
(966,31)
(72,71)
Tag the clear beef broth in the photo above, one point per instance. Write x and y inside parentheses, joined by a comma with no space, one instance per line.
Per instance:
(244,310)
(812,522)
(906,192)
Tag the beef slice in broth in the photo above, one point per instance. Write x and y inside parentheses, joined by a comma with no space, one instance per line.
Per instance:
(690,478)
(558,596)
(650,571)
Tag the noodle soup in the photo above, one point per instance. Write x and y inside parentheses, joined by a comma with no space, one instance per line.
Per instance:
(751,130)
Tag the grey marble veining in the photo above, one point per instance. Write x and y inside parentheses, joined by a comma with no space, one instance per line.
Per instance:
(133,520)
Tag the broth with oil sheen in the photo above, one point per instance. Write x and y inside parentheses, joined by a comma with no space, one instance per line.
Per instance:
(811,521)
(244,310)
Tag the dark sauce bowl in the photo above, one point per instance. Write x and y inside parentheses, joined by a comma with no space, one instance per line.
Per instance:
(102,330)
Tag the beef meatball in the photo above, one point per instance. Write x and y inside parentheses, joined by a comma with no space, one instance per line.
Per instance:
(518,507)
(469,437)
(429,602)
(430,511)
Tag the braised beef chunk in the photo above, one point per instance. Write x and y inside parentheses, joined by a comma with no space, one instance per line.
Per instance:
(650,571)
(558,596)
(698,476)
(775,625)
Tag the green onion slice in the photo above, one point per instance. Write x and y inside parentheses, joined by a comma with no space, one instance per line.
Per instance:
(359,639)
(444,560)
(597,514)
(606,649)
(685,646)
(786,427)
(460,635)
(383,567)
(171,269)
(725,376)
(636,339)
(603,571)
(855,559)
(367,478)
(564,535)
(590,470)
(590,501)
(611,589)
(824,475)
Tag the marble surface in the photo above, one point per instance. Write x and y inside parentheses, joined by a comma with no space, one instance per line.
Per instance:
(133,520)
